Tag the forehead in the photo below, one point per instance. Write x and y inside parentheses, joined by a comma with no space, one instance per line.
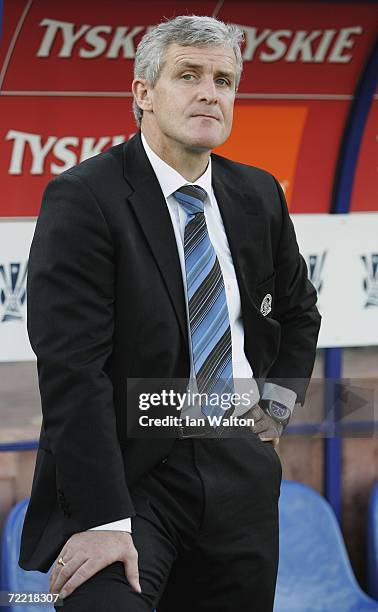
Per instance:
(217,55)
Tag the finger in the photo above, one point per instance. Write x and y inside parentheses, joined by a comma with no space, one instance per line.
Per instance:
(52,579)
(64,554)
(132,572)
(257,413)
(268,435)
(55,573)
(261,427)
(67,571)
(88,569)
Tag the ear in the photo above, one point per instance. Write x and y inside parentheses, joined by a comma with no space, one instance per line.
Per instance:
(141,91)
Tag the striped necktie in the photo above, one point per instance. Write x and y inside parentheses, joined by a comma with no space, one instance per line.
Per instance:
(208,313)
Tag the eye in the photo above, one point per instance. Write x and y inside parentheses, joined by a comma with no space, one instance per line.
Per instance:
(187,77)
(223,82)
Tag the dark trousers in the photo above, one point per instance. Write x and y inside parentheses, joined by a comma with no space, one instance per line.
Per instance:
(206,533)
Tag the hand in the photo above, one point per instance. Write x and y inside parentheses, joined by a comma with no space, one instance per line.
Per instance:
(267,428)
(87,552)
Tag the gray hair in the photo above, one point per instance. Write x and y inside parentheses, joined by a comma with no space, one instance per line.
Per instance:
(185,30)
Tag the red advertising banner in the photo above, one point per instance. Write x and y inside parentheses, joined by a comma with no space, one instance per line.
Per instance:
(66,71)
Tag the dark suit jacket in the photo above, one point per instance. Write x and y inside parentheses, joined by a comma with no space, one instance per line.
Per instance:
(106,303)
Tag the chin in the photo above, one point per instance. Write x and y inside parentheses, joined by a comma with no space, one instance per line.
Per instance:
(205,142)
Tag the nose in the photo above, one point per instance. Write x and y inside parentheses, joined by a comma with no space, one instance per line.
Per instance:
(208,92)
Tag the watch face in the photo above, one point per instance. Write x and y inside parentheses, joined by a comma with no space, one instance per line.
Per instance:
(279,411)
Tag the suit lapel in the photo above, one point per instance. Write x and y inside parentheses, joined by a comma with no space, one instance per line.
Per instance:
(151,210)
(244,223)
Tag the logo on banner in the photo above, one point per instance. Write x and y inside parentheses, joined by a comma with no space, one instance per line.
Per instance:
(315,265)
(37,150)
(370,282)
(12,291)
(66,39)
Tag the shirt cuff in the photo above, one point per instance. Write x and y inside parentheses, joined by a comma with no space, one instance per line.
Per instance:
(276,393)
(122,525)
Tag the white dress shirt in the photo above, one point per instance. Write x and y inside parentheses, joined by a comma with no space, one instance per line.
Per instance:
(170,181)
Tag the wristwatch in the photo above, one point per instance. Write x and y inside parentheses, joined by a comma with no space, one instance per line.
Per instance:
(279,412)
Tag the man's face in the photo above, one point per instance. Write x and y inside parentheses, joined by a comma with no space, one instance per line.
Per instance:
(193,99)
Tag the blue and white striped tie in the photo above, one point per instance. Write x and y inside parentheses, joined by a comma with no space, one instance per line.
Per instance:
(208,313)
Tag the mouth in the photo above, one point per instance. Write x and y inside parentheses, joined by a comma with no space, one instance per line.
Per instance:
(206,116)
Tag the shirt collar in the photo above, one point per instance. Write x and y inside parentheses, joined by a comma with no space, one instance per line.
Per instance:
(169,179)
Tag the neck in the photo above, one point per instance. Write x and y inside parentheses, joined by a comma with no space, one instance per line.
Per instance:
(190,163)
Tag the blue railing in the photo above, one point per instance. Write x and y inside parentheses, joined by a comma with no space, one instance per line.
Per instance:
(21,445)
(341,201)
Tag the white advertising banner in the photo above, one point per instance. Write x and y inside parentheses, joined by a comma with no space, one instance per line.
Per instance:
(15,240)
(341,252)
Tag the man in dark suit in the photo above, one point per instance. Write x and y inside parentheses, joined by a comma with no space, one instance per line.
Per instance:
(155,260)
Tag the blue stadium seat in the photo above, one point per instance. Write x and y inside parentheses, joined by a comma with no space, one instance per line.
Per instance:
(12,577)
(314,573)
(372,543)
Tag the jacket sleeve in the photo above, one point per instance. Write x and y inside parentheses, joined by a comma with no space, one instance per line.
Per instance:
(295,310)
(70,314)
